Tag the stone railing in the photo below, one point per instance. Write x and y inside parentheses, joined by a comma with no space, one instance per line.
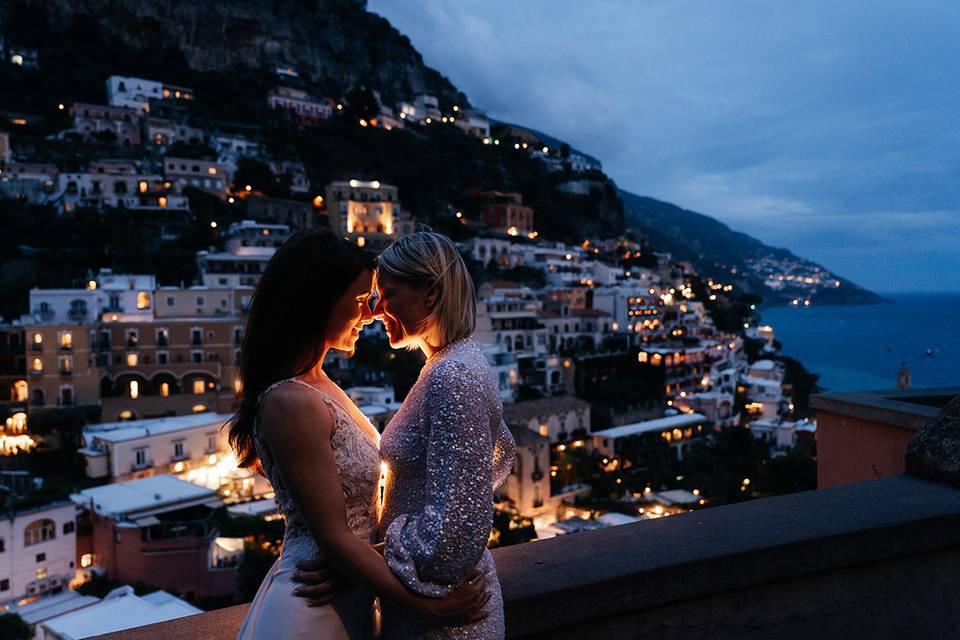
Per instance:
(877,559)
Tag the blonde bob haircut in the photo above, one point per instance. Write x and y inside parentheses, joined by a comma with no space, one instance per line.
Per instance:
(430,261)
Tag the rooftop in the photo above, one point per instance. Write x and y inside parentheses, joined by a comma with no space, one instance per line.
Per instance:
(136,429)
(154,494)
(121,609)
(527,409)
(647,426)
(523,436)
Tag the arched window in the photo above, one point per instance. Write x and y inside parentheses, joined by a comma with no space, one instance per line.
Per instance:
(39,531)
(518,343)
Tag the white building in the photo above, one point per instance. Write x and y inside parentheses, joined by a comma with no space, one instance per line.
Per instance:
(121,609)
(136,93)
(300,103)
(504,367)
(108,293)
(179,444)
(512,320)
(248,247)
(676,430)
(38,550)
(206,175)
(716,405)
(474,122)
(502,252)
(781,434)
(558,419)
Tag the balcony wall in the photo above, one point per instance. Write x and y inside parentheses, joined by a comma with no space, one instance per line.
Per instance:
(878,559)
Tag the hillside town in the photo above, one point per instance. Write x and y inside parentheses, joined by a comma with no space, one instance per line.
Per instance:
(619,367)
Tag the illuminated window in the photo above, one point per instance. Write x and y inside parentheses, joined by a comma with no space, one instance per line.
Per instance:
(66,340)
(212,171)
(86,560)
(143,300)
(131,359)
(198,387)
(21,390)
(199,408)
(143,186)
(134,389)
(164,389)
(37,365)
(41,573)
(162,201)
(37,340)
(39,531)
(126,414)
(543,430)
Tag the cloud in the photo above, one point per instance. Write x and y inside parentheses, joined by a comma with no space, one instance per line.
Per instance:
(827,128)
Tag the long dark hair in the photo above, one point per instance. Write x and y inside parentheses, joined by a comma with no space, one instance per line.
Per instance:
(286,322)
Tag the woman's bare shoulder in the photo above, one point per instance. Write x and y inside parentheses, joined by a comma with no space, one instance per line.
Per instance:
(291,408)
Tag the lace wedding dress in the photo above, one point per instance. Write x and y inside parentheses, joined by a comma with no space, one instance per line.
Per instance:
(276,613)
(446,450)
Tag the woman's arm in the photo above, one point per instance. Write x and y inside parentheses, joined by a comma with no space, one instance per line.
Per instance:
(434,550)
(296,428)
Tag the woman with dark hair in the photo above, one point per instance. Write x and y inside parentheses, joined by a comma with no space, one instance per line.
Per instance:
(317,449)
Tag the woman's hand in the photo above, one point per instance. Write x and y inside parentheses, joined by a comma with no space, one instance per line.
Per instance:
(321,582)
(463,606)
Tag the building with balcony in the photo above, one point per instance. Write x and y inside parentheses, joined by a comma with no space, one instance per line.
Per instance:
(158,529)
(559,419)
(367,212)
(528,485)
(504,367)
(505,211)
(300,104)
(38,551)
(122,123)
(121,451)
(136,93)
(206,175)
(60,366)
(248,247)
(640,442)
(473,122)
(14,388)
(512,318)
(136,349)
(295,214)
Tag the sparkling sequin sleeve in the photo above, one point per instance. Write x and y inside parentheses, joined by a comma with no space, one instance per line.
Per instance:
(433,551)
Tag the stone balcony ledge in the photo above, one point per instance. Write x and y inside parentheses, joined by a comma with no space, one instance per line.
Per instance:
(878,559)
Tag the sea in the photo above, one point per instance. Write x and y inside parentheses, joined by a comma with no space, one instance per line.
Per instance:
(861,348)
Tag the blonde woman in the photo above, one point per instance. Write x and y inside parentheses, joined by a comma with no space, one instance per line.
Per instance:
(447,448)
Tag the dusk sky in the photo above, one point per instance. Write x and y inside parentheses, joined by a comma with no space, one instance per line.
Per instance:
(827,128)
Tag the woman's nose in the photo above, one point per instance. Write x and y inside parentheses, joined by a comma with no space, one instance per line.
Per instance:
(378,308)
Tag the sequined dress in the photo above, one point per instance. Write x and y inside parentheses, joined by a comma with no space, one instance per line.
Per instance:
(446,450)
(275,613)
